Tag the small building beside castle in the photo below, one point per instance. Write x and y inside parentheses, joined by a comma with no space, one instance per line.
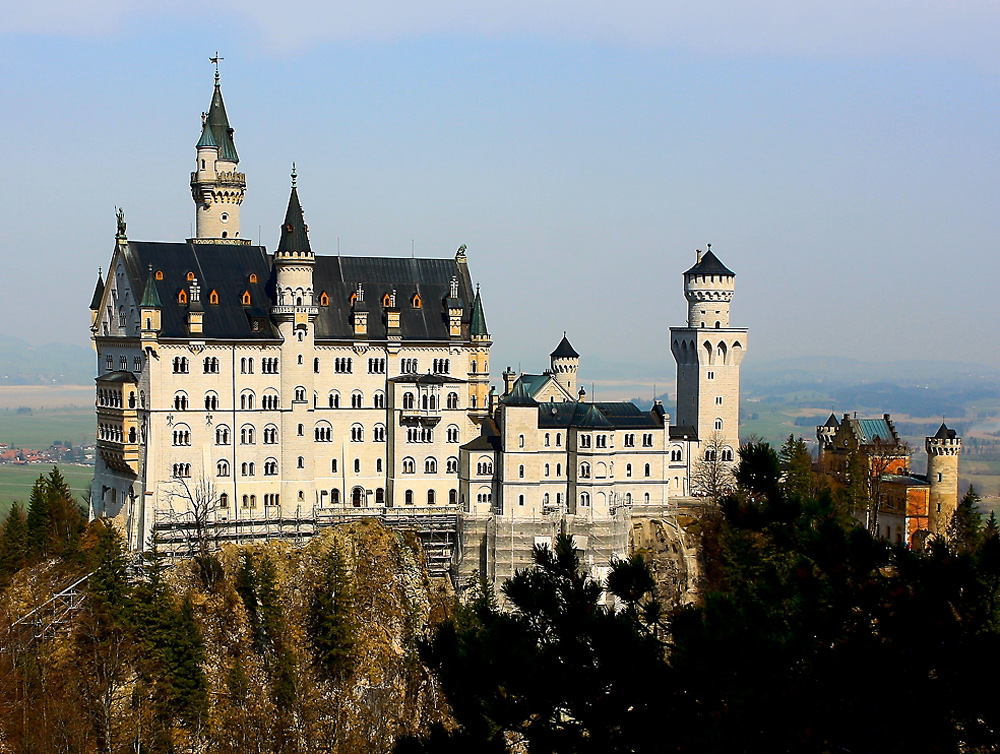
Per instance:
(911,506)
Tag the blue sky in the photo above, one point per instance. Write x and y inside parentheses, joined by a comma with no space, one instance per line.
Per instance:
(841,158)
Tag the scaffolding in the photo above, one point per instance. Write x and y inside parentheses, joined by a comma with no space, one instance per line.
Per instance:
(181,536)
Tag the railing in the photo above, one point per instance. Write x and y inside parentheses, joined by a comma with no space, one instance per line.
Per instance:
(55,612)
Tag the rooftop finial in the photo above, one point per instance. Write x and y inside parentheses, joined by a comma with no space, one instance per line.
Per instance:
(698,252)
(294,175)
(216,60)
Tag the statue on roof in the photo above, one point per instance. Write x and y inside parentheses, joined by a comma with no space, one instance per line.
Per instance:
(120,216)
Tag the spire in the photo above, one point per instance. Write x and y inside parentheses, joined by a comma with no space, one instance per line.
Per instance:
(150,298)
(294,233)
(218,123)
(95,302)
(477,325)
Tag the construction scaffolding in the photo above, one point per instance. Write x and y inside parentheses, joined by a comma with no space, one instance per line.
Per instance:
(180,535)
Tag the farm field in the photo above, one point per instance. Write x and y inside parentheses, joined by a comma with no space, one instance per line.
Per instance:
(16,482)
(42,427)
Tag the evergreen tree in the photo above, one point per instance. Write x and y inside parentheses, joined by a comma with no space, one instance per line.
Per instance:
(66,520)
(39,519)
(14,545)
(796,467)
(965,530)
(246,587)
(331,616)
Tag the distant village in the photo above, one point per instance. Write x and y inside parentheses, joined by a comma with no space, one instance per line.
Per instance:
(58,452)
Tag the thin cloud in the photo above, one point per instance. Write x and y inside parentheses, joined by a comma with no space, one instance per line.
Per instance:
(829,28)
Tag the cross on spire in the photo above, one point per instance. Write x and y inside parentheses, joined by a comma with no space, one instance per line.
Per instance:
(216,60)
(294,175)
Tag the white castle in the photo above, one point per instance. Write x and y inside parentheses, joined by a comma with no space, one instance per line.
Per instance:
(243,394)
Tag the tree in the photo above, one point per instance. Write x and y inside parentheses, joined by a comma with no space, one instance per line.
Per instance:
(796,467)
(965,530)
(879,460)
(331,616)
(14,545)
(557,672)
(201,502)
(39,519)
(712,475)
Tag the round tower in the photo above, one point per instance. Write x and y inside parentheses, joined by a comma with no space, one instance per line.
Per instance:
(943,451)
(709,287)
(565,363)
(216,186)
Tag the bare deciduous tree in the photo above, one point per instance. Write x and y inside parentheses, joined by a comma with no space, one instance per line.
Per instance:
(201,501)
(712,475)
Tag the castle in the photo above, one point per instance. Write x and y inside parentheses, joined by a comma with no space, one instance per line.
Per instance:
(250,395)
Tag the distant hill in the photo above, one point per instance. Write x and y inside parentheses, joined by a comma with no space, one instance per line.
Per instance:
(24,363)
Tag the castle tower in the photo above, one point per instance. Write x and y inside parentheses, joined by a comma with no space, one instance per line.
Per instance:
(824,437)
(943,451)
(216,187)
(479,356)
(708,353)
(565,363)
(294,314)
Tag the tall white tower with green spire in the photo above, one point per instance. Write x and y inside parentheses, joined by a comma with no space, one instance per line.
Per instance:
(216,186)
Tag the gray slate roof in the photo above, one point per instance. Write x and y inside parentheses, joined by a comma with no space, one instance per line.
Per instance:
(564,350)
(710,265)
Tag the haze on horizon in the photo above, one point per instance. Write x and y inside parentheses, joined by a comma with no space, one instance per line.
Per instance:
(840,157)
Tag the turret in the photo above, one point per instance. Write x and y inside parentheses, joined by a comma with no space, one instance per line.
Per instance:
(150,308)
(709,288)
(294,258)
(95,301)
(565,363)
(943,451)
(825,434)
(479,354)
(216,186)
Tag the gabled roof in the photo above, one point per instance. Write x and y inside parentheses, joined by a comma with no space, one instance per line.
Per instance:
(867,431)
(617,415)
(488,439)
(710,265)
(294,235)
(218,122)
(832,422)
(564,350)
(518,396)
(477,324)
(95,302)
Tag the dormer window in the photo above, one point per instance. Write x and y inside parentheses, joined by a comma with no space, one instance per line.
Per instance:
(386,301)
(354,297)
(416,301)
(246,298)
(213,297)
(182,297)
(190,276)
(159,274)
(324,300)
(253,277)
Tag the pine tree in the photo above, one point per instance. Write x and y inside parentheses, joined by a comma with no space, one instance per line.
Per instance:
(39,519)
(331,616)
(14,545)
(246,587)
(796,467)
(66,520)
(965,530)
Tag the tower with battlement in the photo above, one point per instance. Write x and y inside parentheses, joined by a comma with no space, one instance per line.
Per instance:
(708,352)
(943,451)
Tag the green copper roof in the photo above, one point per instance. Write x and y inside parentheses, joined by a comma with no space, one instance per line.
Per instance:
(519,396)
(207,139)
(222,133)
(150,298)
(477,326)
(293,231)
(95,302)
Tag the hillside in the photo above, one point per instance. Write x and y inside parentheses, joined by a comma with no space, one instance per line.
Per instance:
(24,363)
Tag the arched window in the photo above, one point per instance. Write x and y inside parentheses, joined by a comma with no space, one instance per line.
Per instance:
(211,402)
(408,497)
(453,497)
(628,469)
(271,467)
(378,399)
(270,435)
(585,499)
(452,400)
(180,402)
(520,472)
(245,298)
(378,433)
(334,400)
(430,497)
(224,500)
(246,400)
(547,441)
(409,466)
(585,471)
(324,299)
(727,455)
(558,469)
(246,435)
(646,470)
(357,400)
(558,439)
(222,435)
(546,469)
(301,463)
(520,441)
(718,424)
(379,496)
(182,297)
(408,401)
(357,433)
(451,466)
(453,433)
(335,497)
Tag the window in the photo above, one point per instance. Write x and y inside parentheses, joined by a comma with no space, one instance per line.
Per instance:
(452,400)
(224,500)
(245,298)
(378,465)
(558,469)
(718,424)
(376,366)
(182,435)
(584,441)
(182,470)
(409,466)
(300,394)
(316,366)
(718,400)
(213,297)
(710,375)
(485,467)
(408,497)
(629,441)
(628,469)
(182,297)
(246,401)
(379,496)
(546,469)
(246,435)
(335,497)
(222,435)
(646,470)
(378,433)
(585,471)
(520,472)
(727,454)
(136,364)
(408,401)
(270,435)
(452,433)
(415,301)
(357,400)
(647,441)
(430,497)
(180,364)
(378,400)
(270,467)
(301,430)
(520,441)
(269,402)
(333,466)
(211,365)
(547,440)
(357,433)
(334,400)
(451,466)
(558,439)
(585,499)
(323,432)
(180,402)
(357,465)
(343,365)
(300,463)
(430,466)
